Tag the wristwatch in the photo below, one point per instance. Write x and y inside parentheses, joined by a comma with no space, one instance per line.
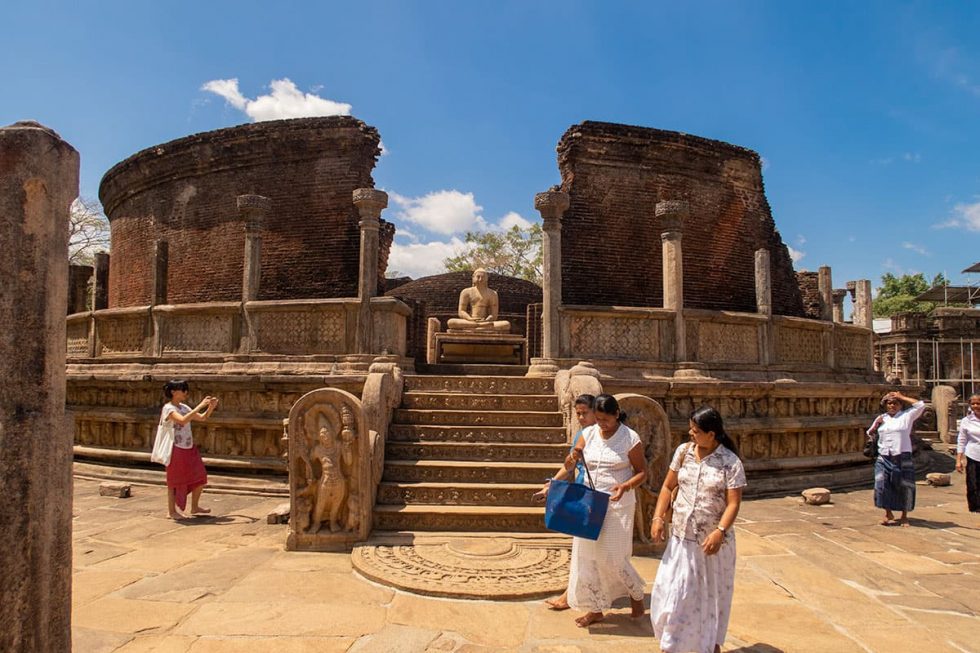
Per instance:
(722,529)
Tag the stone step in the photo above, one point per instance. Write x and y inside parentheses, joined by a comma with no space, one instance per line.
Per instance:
(497,385)
(477,418)
(477,369)
(476,451)
(456,471)
(459,494)
(479,402)
(423,433)
(520,519)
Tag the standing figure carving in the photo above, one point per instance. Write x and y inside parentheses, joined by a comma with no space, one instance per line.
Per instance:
(330,454)
(479,308)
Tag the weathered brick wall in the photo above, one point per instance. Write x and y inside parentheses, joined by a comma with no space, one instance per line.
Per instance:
(809,293)
(185,192)
(611,248)
(440,296)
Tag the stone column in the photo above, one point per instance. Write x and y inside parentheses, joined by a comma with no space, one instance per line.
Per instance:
(161,262)
(671,215)
(253,209)
(551,205)
(839,296)
(862,304)
(100,291)
(78,277)
(38,184)
(369,203)
(826,289)
(763,282)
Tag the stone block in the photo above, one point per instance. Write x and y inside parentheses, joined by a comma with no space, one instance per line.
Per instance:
(279,514)
(480,348)
(938,479)
(118,490)
(816,496)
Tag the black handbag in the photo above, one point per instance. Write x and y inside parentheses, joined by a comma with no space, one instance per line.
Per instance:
(871,446)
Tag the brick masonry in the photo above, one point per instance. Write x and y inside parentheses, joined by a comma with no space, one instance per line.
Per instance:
(611,248)
(185,192)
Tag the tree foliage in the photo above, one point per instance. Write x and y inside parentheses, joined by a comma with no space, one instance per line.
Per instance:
(515,253)
(897,294)
(88,231)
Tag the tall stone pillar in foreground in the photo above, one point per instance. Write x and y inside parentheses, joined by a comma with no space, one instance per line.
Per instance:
(551,205)
(672,215)
(38,184)
(369,203)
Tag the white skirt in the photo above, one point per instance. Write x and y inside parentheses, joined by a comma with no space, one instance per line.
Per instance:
(600,570)
(692,596)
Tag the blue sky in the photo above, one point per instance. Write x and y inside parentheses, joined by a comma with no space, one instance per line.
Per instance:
(867,115)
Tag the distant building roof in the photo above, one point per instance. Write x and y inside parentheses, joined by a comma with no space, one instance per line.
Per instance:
(973,268)
(947,294)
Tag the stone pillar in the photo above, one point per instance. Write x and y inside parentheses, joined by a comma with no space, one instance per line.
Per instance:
(862,304)
(551,205)
(78,277)
(100,291)
(671,215)
(763,282)
(253,209)
(38,184)
(369,203)
(839,296)
(161,262)
(826,289)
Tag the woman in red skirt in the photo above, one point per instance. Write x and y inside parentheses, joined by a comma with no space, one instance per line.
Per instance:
(185,473)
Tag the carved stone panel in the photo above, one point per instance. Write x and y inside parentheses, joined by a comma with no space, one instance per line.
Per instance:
(851,349)
(199,332)
(329,471)
(728,343)
(634,338)
(648,419)
(301,332)
(799,345)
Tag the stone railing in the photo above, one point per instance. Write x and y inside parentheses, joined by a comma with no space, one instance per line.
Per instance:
(717,340)
(295,327)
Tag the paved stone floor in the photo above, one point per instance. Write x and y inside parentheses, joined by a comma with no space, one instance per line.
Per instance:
(810,579)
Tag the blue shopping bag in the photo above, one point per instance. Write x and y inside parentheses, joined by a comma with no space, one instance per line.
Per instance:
(574,509)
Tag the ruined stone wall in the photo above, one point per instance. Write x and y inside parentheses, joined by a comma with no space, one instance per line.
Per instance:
(185,192)
(611,248)
(78,278)
(809,293)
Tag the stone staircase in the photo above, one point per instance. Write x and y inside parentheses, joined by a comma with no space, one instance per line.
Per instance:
(465,453)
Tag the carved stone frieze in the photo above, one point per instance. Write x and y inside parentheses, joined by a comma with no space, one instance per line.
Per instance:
(467,418)
(727,343)
(598,337)
(502,434)
(478,451)
(497,385)
(489,495)
(484,402)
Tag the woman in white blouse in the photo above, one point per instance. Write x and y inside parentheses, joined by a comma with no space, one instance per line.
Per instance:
(692,595)
(600,571)
(968,453)
(894,469)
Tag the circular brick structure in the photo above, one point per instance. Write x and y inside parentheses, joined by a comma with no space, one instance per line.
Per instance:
(185,193)
(610,236)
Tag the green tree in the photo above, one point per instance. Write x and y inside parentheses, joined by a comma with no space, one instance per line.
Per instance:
(897,294)
(515,253)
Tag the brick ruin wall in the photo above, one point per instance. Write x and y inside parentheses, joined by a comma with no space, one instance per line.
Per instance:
(185,192)
(810,293)
(611,247)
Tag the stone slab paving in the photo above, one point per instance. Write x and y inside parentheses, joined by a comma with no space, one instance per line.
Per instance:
(810,579)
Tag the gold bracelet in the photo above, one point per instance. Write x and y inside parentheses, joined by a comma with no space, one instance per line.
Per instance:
(659,519)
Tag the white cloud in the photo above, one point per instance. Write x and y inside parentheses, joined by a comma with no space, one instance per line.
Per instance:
(284,101)
(800,240)
(795,254)
(513,219)
(423,259)
(441,212)
(912,157)
(765,163)
(918,249)
(884,161)
(965,216)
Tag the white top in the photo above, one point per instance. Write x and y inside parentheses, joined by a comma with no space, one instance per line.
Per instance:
(968,439)
(895,432)
(609,460)
(182,434)
(703,490)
